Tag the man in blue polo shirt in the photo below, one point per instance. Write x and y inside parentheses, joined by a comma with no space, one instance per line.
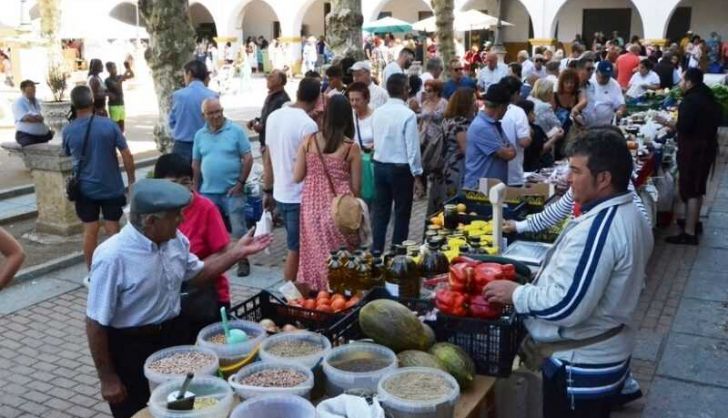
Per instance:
(457,79)
(185,118)
(488,151)
(221,156)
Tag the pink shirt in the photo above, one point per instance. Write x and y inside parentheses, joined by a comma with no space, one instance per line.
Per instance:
(204,228)
(626,63)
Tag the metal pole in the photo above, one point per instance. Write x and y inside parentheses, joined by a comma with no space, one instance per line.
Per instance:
(138,40)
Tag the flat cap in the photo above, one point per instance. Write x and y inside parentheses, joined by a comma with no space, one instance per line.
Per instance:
(158,195)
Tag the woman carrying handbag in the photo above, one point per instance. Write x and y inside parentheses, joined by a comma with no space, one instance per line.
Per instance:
(329,164)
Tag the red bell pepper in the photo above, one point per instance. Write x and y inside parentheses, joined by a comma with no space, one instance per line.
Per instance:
(509,272)
(451,302)
(481,308)
(460,276)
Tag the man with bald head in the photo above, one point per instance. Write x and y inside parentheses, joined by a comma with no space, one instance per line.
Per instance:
(221,163)
(492,72)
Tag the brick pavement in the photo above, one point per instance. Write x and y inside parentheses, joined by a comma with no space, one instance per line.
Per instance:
(47,368)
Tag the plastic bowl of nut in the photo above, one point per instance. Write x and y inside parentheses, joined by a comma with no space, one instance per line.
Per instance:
(213,398)
(265,378)
(176,362)
(213,337)
(296,347)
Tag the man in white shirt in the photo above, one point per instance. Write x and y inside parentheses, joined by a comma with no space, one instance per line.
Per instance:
(285,129)
(526,64)
(492,72)
(538,69)
(403,62)
(362,72)
(605,99)
(397,164)
(517,130)
(576,51)
(644,79)
(552,74)
(433,71)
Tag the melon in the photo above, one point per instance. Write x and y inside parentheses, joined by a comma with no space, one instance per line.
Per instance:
(393,325)
(416,358)
(457,362)
(430,335)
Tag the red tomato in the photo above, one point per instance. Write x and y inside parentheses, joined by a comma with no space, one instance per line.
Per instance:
(323,294)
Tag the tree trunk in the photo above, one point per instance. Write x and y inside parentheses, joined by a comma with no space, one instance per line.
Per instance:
(343,29)
(171,46)
(444,19)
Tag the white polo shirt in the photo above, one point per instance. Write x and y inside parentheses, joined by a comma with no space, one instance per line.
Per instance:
(136,282)
(602,102)
(515,125)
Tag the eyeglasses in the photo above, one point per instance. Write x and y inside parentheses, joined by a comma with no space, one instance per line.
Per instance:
(458,69)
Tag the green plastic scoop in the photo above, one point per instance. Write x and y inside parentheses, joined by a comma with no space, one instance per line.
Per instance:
(232,336)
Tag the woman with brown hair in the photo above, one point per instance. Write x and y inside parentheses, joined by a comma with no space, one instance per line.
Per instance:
(567,97)
(328,154)
(461,108)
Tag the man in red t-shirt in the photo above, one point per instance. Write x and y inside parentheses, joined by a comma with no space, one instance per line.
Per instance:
(204,227)
(626,65)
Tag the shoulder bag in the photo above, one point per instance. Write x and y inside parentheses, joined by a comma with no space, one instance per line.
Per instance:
(73,184)
(367,167)
(346,210)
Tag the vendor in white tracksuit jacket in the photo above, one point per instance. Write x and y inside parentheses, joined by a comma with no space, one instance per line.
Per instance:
(589,284)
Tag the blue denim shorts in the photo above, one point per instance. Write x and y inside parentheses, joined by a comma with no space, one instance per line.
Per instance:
(232,209)
(291,212)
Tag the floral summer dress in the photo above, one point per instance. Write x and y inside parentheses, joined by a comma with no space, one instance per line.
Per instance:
(319,234)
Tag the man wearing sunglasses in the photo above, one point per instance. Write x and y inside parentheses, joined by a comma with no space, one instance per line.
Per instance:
(457,79)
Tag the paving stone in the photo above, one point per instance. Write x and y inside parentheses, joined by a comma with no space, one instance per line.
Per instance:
(715,237)
(708,285)
(711,259)
(19,296)
(647,345)
(9,412)
(701,317)
(670,398)
(696,359)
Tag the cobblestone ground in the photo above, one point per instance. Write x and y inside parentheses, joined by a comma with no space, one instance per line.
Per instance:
(47,369)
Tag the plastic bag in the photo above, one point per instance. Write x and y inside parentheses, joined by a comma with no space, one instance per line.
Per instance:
(349,406)
(264,226)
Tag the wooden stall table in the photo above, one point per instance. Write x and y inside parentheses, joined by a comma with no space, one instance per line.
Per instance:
(473,403)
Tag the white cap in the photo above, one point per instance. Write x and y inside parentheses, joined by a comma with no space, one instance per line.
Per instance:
(361,65)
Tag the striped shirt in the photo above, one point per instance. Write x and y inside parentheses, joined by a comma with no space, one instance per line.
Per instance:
(564,208)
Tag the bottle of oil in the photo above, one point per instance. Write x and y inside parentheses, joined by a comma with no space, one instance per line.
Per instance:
(387,257)
(344,255)
(351,274)
(378,271)
(366,255)
(402,279)
(364,275)
(334,271)
(434,262)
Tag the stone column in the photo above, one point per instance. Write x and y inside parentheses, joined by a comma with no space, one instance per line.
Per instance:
(49,168)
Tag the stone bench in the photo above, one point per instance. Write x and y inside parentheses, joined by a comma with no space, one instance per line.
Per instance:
(50,169)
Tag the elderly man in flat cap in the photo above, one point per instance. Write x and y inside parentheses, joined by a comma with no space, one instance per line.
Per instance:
(134,296)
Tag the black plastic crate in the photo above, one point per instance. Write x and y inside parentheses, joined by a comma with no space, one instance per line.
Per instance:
(348,329)
(479,204)
(267,305)
(492,344)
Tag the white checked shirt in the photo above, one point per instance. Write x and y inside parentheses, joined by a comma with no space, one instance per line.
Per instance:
(135,282)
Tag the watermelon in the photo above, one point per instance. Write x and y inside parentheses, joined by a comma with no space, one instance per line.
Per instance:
(457,362)
(416,358)
(393,325)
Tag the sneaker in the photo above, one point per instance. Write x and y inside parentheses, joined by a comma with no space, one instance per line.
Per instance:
(87,281)
(243,268)
(698,226)
(682,239)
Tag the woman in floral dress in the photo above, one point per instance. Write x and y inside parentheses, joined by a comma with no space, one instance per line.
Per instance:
(340,157)
(460,111)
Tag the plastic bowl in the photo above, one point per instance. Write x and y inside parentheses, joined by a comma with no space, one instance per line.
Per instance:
(442,407)
(202,387)
(232,353)
(247,392)
(156,378)
(309,361)
(339,381)
(275,406)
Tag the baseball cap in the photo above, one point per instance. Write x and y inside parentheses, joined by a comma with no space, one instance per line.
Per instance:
(26,83)
(498,93)
(605,67)
(361,65)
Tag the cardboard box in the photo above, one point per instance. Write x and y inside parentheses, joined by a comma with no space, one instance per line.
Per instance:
(535,194)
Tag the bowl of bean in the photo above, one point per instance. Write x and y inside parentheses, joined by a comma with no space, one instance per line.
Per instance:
(357,366)
(176,362)
(213,337)
(263,378)
(275,406)
(418,392)
(213,398)
(297,347)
